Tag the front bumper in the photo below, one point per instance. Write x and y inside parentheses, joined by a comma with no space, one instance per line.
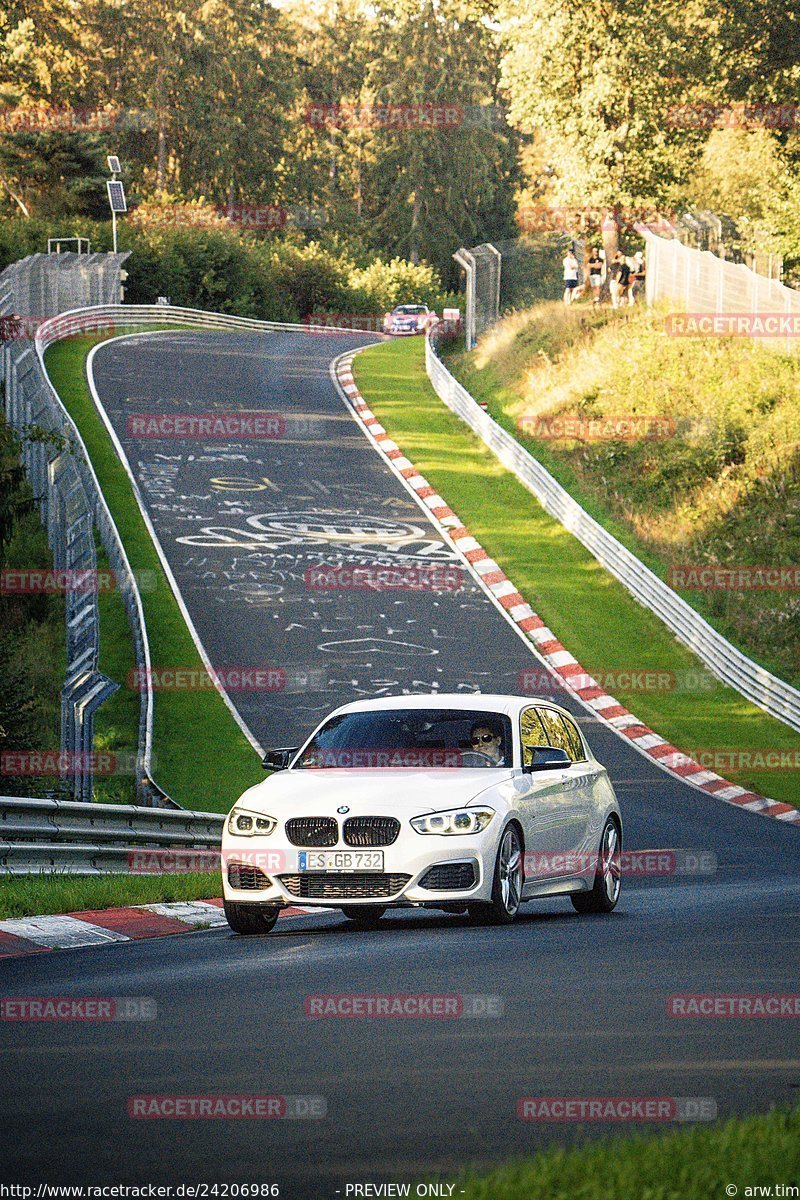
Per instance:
(276,861)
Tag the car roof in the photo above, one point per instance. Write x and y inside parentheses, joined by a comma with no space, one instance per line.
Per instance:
(473,701)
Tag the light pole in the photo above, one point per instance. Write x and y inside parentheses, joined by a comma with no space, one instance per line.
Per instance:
(116,194)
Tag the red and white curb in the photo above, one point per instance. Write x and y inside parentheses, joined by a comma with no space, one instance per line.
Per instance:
(96,927)
(545,644)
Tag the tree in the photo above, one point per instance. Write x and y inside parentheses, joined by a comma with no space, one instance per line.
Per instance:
(431,187)
(601,79)
(54,174)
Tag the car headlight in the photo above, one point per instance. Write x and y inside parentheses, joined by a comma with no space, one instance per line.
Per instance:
(243,822)
(456,820)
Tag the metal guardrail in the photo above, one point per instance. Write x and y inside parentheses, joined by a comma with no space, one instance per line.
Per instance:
(114,316)
(730,665)
(53,836)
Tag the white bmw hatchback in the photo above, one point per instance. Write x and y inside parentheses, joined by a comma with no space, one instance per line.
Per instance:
(467,803)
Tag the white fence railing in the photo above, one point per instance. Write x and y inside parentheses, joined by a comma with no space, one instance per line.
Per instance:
(730,665)
(697,281)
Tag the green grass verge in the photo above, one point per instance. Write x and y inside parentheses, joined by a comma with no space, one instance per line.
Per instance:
(201,758)
(691,1164)
(721,487)
(37,895)
(116,722)
(592,614)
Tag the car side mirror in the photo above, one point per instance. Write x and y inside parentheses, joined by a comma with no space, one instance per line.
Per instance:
(548,758)
(278,760)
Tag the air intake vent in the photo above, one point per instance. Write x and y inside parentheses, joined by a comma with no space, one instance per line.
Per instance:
(327,886)
(246,877)
(449,877)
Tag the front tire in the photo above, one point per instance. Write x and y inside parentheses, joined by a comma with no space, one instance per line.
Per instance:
(506,885)
(249,919)
(365,916)
(607,881)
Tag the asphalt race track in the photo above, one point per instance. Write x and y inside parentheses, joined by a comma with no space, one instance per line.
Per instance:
(584,999)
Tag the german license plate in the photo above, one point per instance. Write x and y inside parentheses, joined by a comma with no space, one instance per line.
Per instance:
(340,860)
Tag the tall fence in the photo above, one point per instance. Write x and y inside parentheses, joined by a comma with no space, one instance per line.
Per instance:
(44,285)
(697,281)
(509,274)
(68,496)
(481,266)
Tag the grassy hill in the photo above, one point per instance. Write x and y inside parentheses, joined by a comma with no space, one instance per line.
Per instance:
(710,473)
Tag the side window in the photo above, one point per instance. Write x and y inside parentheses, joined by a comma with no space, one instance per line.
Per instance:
(577,752)
(556,731)
(531,734)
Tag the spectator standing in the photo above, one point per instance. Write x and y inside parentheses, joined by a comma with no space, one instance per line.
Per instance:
(571,270)
(596,267)
(620,279)
(638,277)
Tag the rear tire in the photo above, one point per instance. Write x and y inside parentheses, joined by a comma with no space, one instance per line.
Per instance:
(506,886)
(364,916)
(249,919)
(605,893)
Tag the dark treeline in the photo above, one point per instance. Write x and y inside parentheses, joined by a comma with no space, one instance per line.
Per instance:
(406,128)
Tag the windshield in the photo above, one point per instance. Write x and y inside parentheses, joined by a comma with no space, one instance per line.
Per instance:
(411,310)
(411,738)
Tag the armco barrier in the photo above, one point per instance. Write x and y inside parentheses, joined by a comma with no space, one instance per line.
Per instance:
(52,836)
(730,665)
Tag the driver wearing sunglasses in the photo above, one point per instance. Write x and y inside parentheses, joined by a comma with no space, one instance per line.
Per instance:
(488,741)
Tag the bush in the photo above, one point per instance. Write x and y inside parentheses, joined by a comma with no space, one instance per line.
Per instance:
(214,267)
(380,286)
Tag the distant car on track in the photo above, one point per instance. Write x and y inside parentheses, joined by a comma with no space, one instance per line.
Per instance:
(467,803)
(408,319)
